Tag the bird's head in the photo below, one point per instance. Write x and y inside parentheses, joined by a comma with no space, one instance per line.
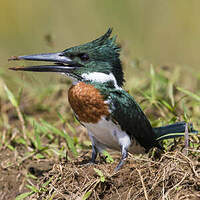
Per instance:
(96,61)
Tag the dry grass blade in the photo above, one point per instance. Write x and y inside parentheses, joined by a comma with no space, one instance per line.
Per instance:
(175,186)
(143,185)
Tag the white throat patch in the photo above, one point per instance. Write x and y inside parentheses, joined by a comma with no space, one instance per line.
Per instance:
(101,78)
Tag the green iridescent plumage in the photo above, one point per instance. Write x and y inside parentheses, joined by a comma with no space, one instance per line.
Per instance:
(103,56)
(128,114)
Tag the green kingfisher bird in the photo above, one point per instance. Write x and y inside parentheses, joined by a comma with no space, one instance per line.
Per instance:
(111,115)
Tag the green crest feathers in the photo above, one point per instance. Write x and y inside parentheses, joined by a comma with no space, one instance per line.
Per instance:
(105,41)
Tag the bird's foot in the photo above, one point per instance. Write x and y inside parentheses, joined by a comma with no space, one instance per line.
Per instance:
(122,161)
(119,166)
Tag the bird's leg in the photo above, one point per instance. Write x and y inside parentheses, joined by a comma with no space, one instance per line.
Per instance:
(95,149)
(94,153)
(123,158)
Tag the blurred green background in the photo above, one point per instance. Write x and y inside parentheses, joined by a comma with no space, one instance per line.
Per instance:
(159,31)
(162,33)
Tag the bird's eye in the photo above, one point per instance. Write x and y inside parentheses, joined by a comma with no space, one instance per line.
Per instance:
(83,56)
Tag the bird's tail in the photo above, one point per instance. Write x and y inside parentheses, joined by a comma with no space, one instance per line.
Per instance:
(173,130)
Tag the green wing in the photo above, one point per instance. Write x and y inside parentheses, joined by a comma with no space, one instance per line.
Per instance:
(131,118)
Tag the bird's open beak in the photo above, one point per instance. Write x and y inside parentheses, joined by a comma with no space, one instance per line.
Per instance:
(61,64)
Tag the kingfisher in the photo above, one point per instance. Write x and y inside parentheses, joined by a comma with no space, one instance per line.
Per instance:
(113,118)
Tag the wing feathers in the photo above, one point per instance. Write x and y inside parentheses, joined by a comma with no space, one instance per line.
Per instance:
(131,118)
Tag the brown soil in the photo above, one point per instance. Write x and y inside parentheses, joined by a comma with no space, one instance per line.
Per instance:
(170,176)
(173,176)
(13,177)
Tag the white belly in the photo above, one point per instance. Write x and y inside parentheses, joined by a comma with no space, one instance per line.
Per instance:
(111,136)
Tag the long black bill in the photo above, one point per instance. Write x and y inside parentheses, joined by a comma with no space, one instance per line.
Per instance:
(62,64)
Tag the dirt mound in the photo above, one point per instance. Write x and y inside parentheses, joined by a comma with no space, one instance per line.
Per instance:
(173,176)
